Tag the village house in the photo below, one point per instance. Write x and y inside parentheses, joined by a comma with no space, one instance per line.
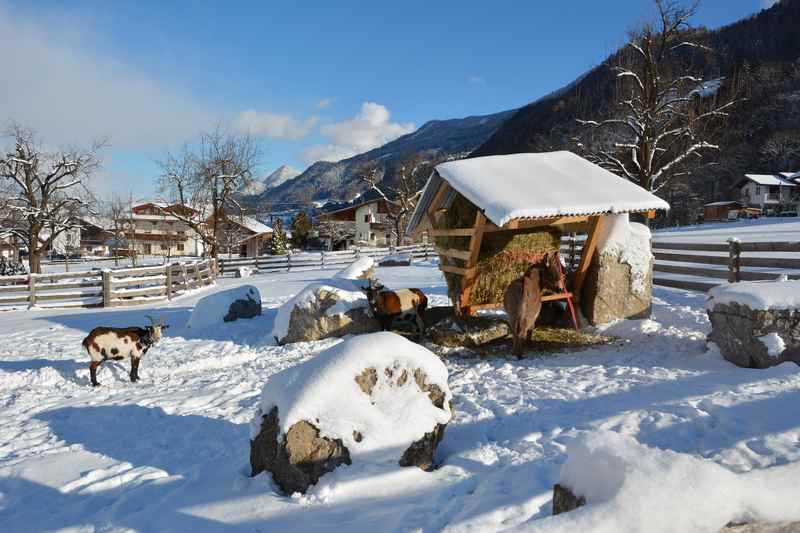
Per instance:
(370,215)
(157,231)
(241,234)
(729,210)
(772,193)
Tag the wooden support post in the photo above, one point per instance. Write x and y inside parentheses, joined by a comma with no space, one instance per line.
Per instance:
(595,223)
(734,260)
(185,276)
(168,273)
(106,288)
(472,262)
(198,274)
(31,290)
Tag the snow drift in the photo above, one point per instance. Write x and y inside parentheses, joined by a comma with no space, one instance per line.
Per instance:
(632,487)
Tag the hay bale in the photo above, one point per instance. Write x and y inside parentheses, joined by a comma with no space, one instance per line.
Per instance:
(503,257)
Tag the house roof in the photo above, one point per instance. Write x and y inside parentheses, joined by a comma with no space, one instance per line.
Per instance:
(252,224)
(767,179)
(537,185)
(793,176)
(723,203)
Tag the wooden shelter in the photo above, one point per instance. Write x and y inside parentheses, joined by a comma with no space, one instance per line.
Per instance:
(518,194)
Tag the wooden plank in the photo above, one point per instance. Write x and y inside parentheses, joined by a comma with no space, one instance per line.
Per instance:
(687,285)
(595,224)
(472,261)
(554,297)
(452,252)
(453,232)
(770,246)
(17,300)
(13,288)
(689,258)
(541,222)
(770,262)
(126,303)
(51,297)
(148,280)
(690,246)
(146,291)
(63,286)
(454,270)
(691,271)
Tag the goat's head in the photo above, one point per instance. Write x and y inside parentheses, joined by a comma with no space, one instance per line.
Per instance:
(371,290)
(156,328)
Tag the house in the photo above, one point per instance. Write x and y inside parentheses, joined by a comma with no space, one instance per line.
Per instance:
(156,230)
(9,246)
(729,210)
(241,234)
(773,193)
(370,214)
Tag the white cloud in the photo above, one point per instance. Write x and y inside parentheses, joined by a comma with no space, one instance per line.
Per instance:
(273,125)
(765,4)
(325,103)
(370,128)
(70,94)
(476,80)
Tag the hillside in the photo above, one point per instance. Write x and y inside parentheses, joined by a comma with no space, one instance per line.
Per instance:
(435,139)
(760,55)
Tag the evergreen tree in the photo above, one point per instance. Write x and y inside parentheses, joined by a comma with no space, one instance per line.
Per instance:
(301,227)
(278,243)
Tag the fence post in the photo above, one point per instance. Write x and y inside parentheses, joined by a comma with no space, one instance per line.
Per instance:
(734,259)
(197,274)
(322,259)
(288,262)
(106,288)
(31,290)
(572,241)
(168,272)
(185,276)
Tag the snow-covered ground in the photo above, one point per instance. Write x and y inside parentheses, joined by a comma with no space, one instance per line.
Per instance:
(773,229)
(170,453)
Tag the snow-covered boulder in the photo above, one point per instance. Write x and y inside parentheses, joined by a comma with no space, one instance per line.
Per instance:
(396,260)
(468,331)
(620,278)
(371,399)
(225,306)
(333,308)
(627,486)
(244,272)
(756,324)
(361,268)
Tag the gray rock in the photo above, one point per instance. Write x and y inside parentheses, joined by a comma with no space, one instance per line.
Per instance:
(609,293)
(468,331)
(300,459)
(736,329)
(248,308)
(763,527)
(313,323)
(564,500)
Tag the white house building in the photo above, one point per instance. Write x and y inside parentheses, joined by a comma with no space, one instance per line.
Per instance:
(773,193)
(370,213)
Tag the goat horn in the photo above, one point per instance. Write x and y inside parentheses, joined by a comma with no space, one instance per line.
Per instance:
(151,319)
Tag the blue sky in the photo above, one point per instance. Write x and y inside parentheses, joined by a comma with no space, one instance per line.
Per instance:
(313,79)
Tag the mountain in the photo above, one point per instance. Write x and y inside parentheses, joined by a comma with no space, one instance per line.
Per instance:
(435,140)
(758,57)
(278,177)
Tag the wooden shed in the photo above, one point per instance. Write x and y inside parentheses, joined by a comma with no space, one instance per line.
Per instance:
(488,215)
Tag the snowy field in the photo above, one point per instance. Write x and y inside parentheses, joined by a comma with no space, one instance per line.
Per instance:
(772,229)
(170,453)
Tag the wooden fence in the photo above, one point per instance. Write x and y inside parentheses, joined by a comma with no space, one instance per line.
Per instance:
(708,264)
(107,288)
(319,260)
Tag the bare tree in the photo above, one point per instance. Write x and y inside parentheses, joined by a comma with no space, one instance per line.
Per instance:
(334,231)
(117,214)
(47,189)
(666,117)
(206,180)
(404,196)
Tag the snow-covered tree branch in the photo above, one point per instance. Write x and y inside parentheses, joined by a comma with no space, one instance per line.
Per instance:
(46,190)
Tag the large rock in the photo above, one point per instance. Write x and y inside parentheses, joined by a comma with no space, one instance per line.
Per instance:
(755,338)
(225,306)
(763,527)
(377,399)
(564,500)
(299,458)
(468,331)
(334,308)
(620,278)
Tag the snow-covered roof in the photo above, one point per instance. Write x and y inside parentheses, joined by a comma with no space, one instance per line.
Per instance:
(252,224)
(794,176)
(719,204)
(769,179)
(538,185)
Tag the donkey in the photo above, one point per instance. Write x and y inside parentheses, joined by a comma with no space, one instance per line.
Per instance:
(522,300)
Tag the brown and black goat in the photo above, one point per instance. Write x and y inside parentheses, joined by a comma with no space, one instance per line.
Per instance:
(403,305)
(522,300)
(116,344)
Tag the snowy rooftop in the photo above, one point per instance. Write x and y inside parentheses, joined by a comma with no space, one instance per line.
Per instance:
(252,224)
(541,185)
(769,179)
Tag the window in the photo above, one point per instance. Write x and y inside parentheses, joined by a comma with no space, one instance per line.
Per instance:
(180,246)
(371,236)
(154,222)
(366,218)
(164,247)
(148,249)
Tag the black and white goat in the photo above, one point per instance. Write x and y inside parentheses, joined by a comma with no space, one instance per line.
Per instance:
(404,305)
(115,344)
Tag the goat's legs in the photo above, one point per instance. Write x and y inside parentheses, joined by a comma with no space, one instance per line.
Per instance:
(134,369)
(93,366)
